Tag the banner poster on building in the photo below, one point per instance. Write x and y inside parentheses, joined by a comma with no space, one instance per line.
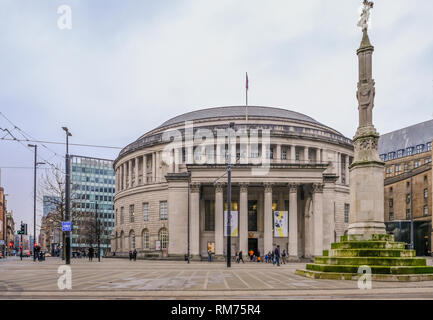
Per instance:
(233,224)
(280,224)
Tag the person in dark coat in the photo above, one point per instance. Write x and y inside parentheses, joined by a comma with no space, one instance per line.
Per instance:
(134,254)
(130,255)
(277,255)
(240,257)
(91,252)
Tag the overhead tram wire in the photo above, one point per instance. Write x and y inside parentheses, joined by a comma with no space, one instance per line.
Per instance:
(63,143)
(27,136)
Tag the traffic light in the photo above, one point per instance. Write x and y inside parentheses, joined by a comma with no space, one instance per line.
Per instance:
(11,244)
(23,229)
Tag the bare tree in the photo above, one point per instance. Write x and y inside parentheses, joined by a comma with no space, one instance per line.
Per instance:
(52,187)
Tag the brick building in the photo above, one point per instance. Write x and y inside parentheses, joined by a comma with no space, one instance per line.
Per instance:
(407,154)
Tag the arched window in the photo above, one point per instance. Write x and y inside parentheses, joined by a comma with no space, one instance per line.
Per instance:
(146,239)
(131,240)
(163,238)
(122,235)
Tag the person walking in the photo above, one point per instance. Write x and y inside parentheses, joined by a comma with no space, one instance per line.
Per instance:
(240,257)
(134,254)
(237,256)
(283,256)
(277,255)
(91,251)
(130,255)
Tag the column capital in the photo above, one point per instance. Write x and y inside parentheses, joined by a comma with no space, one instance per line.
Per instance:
(243,187)
(268,186)
(219,187)
(317,187)
(293,187)
(194,187)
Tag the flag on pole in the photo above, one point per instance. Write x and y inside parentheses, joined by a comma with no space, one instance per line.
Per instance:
(246,97)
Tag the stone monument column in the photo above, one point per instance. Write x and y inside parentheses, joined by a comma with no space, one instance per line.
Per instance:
(366,171)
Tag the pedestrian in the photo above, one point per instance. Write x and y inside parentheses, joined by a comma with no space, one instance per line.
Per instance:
(258,256)
(283,256)
(240,257)
(91,251)
(277,255)
(209,255)
(237,256)
(134,254)
(130,255)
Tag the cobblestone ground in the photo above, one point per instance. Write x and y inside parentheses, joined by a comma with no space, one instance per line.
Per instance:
(121,278)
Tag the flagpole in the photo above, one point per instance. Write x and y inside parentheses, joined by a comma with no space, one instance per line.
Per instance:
(246,99)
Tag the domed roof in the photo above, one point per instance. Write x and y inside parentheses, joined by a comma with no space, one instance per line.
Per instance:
(238,111)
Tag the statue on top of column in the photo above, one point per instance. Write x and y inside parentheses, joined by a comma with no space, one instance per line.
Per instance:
(365,15)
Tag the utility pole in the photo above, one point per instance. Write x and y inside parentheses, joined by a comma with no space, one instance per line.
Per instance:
(188,253)
(36,163)
(67,244)
(229,199)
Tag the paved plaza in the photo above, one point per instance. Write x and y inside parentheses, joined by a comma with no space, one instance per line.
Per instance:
(124,279)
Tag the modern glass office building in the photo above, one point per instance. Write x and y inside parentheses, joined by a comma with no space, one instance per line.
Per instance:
(92,202)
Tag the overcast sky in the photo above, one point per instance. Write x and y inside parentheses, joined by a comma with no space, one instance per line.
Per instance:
(127,66)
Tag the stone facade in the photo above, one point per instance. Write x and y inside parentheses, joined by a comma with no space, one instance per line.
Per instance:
(307,176)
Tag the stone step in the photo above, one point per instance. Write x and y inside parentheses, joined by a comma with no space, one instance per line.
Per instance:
(370,253)
(356,276)
(368,245)
(374,269)
(371,261)
(373,237)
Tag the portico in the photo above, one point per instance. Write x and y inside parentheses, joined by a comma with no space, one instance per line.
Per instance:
(255,202)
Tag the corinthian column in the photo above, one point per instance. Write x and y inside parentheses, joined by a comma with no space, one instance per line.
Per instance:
(195,219)
(268,236)
(243,219)
(293,220)
(219,211)
(318,218)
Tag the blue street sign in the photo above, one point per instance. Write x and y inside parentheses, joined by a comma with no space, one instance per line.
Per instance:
(66,226)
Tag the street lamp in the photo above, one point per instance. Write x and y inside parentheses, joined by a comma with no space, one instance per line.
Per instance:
(67,243)
(36,163)
(229,199)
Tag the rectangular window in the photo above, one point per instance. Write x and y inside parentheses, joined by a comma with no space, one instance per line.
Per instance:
(209,216)
(408,214)
(391,216)
(131,213)
(408,198)
(429,146)
(398,168)
(417,164)
(425,194)
(388,170)
(346,212)
(427,160)
(425,211)
(284,154)
(391,203)
(400,153)
(409,151)
(145,211)
(252,215)
(297,155)
(419,148)
(163,213)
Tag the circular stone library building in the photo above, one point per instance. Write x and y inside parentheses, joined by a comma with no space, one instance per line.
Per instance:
(289,185)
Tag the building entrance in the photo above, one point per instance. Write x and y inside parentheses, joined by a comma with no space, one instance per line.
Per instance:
(253,245)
